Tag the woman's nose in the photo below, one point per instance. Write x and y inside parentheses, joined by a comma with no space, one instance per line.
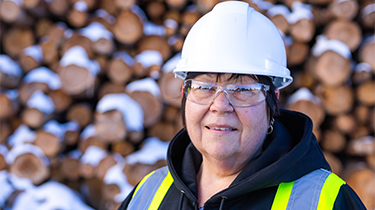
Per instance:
(221,103)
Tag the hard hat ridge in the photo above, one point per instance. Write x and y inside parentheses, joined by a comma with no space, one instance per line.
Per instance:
(234,38)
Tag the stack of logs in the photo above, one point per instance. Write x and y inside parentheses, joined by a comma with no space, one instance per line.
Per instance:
(87,93)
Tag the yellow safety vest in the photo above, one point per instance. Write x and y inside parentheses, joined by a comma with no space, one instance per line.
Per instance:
(316,190)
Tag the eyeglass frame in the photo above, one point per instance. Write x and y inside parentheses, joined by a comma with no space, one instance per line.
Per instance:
(223,87)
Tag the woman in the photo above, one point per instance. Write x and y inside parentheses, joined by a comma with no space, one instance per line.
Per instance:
(238,150)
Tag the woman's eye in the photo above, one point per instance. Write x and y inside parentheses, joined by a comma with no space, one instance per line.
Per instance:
(203,87)
(241,89)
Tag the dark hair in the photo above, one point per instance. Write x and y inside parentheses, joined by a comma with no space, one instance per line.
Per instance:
(271,99)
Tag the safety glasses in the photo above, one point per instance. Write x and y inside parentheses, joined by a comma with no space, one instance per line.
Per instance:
(239,95)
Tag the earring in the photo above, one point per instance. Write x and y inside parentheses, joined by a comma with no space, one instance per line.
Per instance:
(270,129)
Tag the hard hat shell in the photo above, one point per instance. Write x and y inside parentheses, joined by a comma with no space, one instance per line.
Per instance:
(234,38)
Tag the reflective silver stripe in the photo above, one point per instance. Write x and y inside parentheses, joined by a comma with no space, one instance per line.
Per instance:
(145,194)
(306,190)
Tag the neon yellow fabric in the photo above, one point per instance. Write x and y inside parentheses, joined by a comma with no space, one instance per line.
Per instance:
(141,183)
(282,196)
(160,193)
(329,192)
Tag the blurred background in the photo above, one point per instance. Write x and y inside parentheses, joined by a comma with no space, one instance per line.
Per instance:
(88,101)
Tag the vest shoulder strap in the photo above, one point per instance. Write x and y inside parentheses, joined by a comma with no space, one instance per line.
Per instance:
(151,190)
(316,190)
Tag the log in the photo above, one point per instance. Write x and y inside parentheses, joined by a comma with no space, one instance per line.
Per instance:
(29,165)
(278,14)
(332,69)
(34,118)
(60,99)
(362,113)
(93,194)
(170,114)
(345,31)
(322,16)
(30,4)
(362,180)
(56,33)
(333,141)
(49,143)
(17,39)
(362,146)
(337,100)
(333,63)
(297,53)
(110,88)
(76,80)
(334,162)
(303,30)
(188,18)
(128,28)
(91,141)
(176,41)
(163,130)
(58,7)
(110,126)
(170,88)
(204,6)
(304,79)
(372,119)
(124,5)
(109,192)
(154,42)
(87,171)
(360,131)
(367,52)
(370,159)
(49,50)
(124,148)
(119,72)
(78,40)
(134,173)
(345,123)
(71,137)
(10,11)
(103,166)
(176,4)
(155,10)
(81,112)
(151,106)
(5,131)
(8,106)
(304,101)
(365,93)
(26,90)
(69,168)
(109,6)
(344,9)
(30,58)
(362,73)
(367,15)
(136,137)
(42,26)
(77,16)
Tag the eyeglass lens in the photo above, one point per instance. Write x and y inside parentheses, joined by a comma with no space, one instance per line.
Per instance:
(239,95)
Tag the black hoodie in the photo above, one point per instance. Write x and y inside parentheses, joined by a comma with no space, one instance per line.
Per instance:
(289,152)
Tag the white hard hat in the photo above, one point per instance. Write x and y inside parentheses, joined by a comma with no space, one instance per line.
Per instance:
(234,38)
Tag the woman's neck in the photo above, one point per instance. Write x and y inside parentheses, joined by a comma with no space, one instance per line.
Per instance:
(214,177)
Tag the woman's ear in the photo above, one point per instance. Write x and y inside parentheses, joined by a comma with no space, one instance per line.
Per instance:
(277,92)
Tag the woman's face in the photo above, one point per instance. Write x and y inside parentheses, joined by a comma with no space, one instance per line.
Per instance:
(223,132)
